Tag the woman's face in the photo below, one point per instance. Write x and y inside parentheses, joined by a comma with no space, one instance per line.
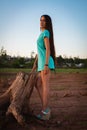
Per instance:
(42,22)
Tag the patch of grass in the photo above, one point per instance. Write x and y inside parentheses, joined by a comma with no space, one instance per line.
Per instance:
(13,70)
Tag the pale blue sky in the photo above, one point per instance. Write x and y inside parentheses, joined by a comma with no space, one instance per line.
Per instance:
(19,26)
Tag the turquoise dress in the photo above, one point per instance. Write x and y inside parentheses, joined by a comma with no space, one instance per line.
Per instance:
(42,52)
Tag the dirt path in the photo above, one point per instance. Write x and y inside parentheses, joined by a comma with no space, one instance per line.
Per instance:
(68,101)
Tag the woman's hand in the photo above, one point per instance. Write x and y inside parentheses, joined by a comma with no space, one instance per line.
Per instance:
(46,70)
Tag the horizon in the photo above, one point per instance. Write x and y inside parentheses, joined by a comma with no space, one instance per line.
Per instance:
(34,54)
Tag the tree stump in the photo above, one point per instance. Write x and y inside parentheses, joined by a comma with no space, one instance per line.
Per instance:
(18,95)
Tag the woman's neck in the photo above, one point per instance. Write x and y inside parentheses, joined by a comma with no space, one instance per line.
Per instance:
(42,29)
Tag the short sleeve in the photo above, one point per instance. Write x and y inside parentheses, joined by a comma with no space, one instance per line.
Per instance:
(46,34)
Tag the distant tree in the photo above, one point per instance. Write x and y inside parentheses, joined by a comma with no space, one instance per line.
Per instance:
(22,60)
(60,60)
(15,63)
(32,55)
(85,63)
(71,60)
(2,51)
(76,60)
(3,57)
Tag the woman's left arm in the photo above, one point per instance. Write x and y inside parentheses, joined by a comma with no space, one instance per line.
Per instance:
(47,45)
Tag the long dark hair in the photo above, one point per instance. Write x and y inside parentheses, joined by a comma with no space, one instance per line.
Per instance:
(49,27)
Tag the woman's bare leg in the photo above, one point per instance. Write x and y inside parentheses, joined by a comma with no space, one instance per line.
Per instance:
(39,86)
(45,89)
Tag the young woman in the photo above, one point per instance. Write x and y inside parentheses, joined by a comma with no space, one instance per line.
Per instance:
(46,62)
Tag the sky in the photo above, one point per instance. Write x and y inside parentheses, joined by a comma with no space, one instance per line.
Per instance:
(20,26)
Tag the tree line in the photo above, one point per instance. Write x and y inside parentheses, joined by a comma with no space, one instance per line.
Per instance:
(7,61)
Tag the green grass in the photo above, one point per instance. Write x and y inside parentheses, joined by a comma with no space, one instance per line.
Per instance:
(58,70)
(13,70)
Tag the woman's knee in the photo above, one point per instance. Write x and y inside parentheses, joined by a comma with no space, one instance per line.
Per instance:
(39,82)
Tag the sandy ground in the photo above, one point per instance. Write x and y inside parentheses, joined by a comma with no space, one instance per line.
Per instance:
(68,101)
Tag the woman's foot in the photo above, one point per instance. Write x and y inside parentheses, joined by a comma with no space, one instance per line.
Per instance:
(44,115)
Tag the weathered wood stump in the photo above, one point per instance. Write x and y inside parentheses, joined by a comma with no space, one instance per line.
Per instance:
(18,95)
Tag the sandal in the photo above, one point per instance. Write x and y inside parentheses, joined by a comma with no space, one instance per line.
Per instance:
(44,115)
